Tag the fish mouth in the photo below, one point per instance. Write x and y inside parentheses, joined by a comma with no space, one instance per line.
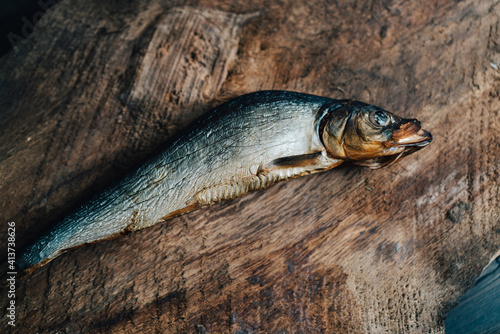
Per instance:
(410,135)
(408,139)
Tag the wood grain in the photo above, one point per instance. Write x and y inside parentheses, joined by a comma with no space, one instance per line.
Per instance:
(100,85)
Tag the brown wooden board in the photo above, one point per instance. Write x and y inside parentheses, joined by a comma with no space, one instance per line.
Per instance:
(100,85)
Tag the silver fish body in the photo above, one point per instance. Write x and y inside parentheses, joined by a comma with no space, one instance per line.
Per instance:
(223,155)
(245,144)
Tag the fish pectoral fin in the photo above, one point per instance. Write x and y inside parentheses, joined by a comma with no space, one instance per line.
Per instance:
(295,160)
(301,164)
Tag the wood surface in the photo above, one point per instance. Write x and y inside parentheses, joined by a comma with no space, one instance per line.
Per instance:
(101,84)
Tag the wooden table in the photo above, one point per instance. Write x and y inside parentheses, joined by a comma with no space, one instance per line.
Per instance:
(100,85)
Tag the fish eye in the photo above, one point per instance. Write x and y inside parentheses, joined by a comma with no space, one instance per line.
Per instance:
(380,118)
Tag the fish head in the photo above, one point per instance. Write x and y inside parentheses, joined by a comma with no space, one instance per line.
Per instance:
(370,136)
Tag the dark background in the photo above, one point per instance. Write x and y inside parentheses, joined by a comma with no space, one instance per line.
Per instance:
(11,19)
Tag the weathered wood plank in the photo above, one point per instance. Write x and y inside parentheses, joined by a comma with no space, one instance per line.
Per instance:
(350,250)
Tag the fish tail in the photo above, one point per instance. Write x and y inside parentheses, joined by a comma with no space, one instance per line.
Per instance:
(94,222)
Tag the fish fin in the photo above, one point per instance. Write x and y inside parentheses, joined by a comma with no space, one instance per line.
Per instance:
(180,212)
(304,164)
(295,160)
